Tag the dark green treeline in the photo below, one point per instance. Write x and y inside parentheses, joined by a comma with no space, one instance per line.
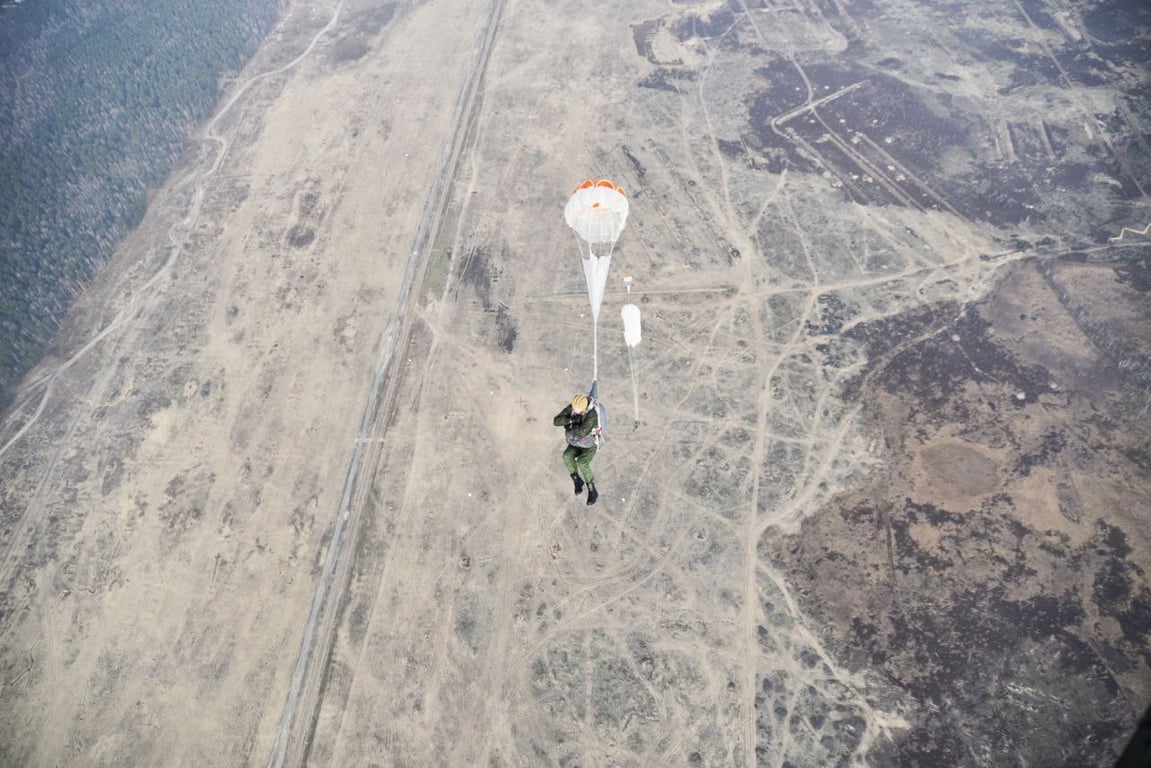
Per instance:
(97,99)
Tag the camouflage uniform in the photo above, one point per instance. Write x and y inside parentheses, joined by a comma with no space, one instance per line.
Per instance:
(580,432)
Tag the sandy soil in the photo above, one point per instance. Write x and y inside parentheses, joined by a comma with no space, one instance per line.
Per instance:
(287,490)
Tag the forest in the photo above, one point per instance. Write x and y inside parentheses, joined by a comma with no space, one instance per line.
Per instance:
(97,101)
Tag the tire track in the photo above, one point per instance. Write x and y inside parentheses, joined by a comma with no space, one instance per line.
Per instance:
(297,722)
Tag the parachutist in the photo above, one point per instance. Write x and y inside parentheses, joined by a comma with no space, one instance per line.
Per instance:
(580,421)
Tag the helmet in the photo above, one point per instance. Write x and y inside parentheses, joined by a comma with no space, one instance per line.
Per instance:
(579,403)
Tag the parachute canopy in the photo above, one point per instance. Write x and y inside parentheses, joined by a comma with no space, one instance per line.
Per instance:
(597,211)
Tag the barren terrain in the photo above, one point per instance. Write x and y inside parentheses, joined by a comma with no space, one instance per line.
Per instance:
(286,490)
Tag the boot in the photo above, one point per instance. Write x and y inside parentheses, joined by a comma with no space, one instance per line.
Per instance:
(578,481)
(592,493)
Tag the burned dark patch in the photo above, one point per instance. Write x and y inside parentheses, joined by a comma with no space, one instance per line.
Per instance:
(858,514)
(472,621)
(929,513)
(1112,587)
(1110,538)
(909,556)
(1114,22)
(636,165)
(111,470)
(884,338)
(476,271)
(349,49)
(1051,444)
(1068,175)
(308,203)
(1085,67)
(371,21)
(506,329)
(831,316)
(1119,589)
(915,354)
(957,649)
(988,622)
(1140,456)
(836,353)
(301,236)
(150,403)
(1135,622)
(1032,70)
(1006,197)
(642,35)
(950,637)
(732,149)
(175,486)
(1045,615)
(1123,351)
(1135,270)
(666,79)
(937,742)
(1039,15)
(867,120)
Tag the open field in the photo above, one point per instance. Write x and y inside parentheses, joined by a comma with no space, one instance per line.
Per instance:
(286,491)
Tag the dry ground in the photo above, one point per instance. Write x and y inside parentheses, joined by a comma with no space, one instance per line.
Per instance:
(287,489)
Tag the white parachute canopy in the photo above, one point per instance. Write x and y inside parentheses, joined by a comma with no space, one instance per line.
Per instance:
(632,332)
(597,212)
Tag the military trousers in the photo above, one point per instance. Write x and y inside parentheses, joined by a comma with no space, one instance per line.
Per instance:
(578,461)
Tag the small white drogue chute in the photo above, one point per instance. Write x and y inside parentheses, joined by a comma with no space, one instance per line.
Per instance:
(596,212)
(632,335)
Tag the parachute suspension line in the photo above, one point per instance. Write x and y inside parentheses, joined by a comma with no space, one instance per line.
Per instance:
(596,266)
(595,348)
(634,381)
